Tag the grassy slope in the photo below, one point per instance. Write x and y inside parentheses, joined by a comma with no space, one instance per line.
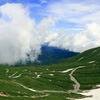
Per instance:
(89,76)
(51,78)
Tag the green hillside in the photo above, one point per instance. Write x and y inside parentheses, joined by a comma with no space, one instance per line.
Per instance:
(53,82)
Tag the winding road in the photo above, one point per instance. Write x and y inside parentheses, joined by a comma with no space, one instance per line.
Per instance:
(72,78)
(76,83)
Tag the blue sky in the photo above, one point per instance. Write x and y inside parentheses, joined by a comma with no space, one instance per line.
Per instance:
(71,15)
(26,25)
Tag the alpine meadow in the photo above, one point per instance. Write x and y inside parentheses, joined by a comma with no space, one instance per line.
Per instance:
(49,49)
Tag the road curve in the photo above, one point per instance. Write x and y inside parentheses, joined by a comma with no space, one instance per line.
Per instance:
(76,83)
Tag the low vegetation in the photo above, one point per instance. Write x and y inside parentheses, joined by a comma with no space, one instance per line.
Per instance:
(51,82)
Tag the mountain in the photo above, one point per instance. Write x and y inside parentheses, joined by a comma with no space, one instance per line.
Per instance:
(50,55)
(62,81)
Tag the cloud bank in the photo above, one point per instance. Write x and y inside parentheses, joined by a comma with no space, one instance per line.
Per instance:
(78,15)
(21,37)
(18,39)
(86,39)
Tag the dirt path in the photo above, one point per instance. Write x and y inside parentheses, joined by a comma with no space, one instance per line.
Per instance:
(12,75)
(40,91)
(3,95)
(72,78)
(76,83)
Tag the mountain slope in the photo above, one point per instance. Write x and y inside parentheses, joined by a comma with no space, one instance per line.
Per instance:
(89,55)
(52,82)
(89,75)
(52,55)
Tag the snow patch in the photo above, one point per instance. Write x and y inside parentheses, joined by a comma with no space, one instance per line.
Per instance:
(94,51)
(35,73)
(65,71)
(80,58)
(7,70)
(53,71)
(94,93)
(25,70)
(91,62)
(38,76)
(51,74)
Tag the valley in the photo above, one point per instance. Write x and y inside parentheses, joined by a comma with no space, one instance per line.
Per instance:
(62,81)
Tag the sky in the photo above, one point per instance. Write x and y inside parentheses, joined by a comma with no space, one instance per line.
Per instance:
(70,14)
(25,25)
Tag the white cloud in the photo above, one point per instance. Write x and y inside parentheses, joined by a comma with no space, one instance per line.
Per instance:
(43,1)
(88,38)
(75,12)
(80,13)
(45,28)
(21,36)
(17,36)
